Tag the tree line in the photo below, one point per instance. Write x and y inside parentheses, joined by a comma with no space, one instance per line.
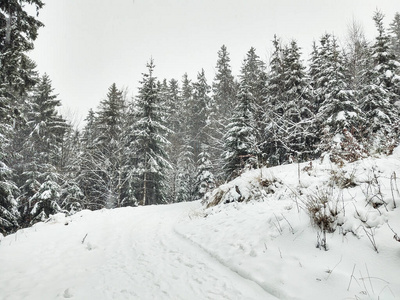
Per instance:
(177,140)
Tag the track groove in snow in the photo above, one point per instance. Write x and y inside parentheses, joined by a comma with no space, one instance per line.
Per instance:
(268,289)
(130,253)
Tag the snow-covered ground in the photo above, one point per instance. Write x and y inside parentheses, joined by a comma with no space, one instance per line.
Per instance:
(261,248)
(129,253)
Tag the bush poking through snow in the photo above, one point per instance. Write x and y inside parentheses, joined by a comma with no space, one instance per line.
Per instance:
(323,212)
(343,179)
(373,191)
(242,189)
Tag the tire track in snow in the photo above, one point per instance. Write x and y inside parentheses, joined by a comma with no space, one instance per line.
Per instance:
(149,260)
(273,293)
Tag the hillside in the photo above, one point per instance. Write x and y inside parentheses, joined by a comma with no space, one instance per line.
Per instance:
(256,237)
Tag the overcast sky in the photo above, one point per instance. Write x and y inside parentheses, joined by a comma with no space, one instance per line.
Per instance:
(87,45)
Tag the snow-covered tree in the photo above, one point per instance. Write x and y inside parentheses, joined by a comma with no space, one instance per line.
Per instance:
(395,35)
(253,75)
(296,130)
(240,148)
(18,30)
(357,58)
(200,114)
(337,111)
(72,197)
(109,144)
(380,92)
(384,60)
(186,165)
(8,205)
(224,88)
(224,100)
(90,161)
(205,180)
(148,142)
(185,181)
(43,146)
(273,107)
(46,200)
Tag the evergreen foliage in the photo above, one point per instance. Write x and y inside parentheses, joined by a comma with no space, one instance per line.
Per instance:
(239,139)
(148,142)
(176,141)
(337,111)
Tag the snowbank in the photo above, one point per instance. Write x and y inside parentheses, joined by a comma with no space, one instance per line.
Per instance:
(273,237)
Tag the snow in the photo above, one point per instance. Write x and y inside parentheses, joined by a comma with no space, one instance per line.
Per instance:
(344,115)
(261,248)
(129,253)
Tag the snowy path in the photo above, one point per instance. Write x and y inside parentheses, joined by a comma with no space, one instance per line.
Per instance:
(131,253)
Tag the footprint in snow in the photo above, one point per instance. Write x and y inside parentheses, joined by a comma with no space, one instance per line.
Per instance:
(67,293)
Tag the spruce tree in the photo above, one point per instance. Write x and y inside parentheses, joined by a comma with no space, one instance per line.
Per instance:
(380,92)
(338,114)
(44,150)
(173,120)
(91,167)
(17,77)
(8,205)
(224,88)
(296,132)
(205,180)
(147,144)
(395,35)
(186,164)
(109,145)
(224,98)
(72,197)
(201,114)
(240,140)
(253,75)
(271,147)
(384,60)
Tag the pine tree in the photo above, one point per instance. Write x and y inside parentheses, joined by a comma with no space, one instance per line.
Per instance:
(43,148)
(357,58)
(395,35)
(90,177)
(254,77)
(109,145)
(224,98)
(173,104)
(205,180)
(185,181)
(186,165)
(338,115)
(201,109)
(46,200)
(223,87)
(18,31)
(379,93)
(296,132)
(384,60)
(273,108)
(72,197)
(8,205)
(239,139)
(147,143)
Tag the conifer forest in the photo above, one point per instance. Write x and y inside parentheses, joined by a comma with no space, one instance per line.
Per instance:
(178,139)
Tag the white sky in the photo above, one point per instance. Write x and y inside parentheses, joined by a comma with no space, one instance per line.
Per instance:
(87,45)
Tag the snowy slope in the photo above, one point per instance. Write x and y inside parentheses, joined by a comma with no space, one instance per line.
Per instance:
(272,241)
(261,248)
